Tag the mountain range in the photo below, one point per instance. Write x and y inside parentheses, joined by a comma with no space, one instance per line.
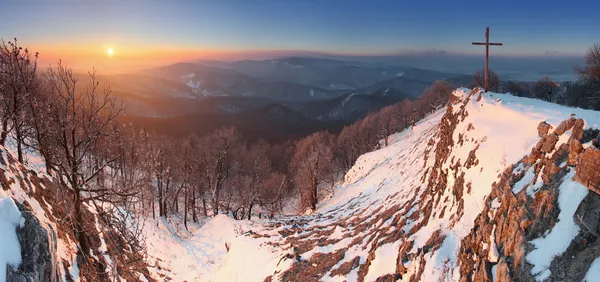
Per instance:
(309,93)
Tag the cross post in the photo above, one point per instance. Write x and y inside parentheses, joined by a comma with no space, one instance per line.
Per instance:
(487,44)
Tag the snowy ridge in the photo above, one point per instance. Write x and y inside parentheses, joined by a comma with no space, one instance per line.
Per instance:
(473,192)
(404,211)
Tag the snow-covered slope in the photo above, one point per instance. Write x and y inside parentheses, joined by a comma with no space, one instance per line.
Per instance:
(36,239)
(487,188)
(410,210)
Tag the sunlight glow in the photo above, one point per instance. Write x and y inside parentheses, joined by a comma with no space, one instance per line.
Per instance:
(110,52)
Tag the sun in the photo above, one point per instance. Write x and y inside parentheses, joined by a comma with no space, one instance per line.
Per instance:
(110,52)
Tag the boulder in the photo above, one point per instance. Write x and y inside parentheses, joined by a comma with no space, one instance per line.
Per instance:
(543,128)
(547,143)
(577,131)
(502,271)
(587,215)
(588,172)
(38,249)
(564,126)
(575,148)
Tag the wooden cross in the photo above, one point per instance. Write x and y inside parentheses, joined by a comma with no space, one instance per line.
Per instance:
(487,44)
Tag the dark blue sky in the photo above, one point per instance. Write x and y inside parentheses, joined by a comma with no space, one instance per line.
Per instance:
(527,28)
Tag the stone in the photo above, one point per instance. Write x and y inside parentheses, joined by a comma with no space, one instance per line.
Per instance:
(543,128)
(502,271)
(547,143)
(575,148)
(577,131)
(564,126)
(587,215)
(38,249)
(588,172)
(389,278)
(589,135)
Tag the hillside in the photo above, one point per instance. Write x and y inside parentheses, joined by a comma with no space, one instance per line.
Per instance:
(487,188)
(38,243)
(474,192)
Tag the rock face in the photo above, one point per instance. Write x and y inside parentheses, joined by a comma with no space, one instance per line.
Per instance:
(588,172)
(587,215)
(38,249)
(543,128)
(547,143)
(502,271)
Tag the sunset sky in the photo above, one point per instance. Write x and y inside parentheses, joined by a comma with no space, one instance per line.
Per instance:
(150,33)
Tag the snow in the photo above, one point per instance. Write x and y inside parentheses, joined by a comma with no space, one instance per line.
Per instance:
(504,131)
(200,254)
(10,250)
(593,272)
(384,262)
(493,254)
(555,243)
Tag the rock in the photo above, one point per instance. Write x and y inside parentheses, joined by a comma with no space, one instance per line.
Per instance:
(588,172)
(483,271)
(389,278)
(38,249)
(525,223)
(564,126)
(502,271)
(577,131)
(547,143)
(543,128)
(589,135)
(575,149)
(534,155)
(587,215)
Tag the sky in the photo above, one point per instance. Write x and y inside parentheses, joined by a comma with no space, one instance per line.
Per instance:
(148,33)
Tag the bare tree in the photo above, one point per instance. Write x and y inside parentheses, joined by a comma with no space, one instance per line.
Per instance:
(81,118)
(517,89)
(591,70)
(387,122)
(312,166)
(545,89)
(18,85)
(218,160)
(436,96)
(479,80)
(257,167)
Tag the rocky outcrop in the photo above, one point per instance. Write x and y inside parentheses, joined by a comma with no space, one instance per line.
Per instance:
(588,172)
(543,128)
(38,249)
(502,271)
(587,215)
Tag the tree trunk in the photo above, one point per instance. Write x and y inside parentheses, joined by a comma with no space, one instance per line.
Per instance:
(250,211)
(153,204)
(166,192)
(204,205)
(79,230)
(185,207)
(4,131)
(215,203)
(161,211)
(19,145)
(194,215)
(313,198)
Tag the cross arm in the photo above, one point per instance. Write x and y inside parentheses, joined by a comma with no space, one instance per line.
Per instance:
(483,43)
